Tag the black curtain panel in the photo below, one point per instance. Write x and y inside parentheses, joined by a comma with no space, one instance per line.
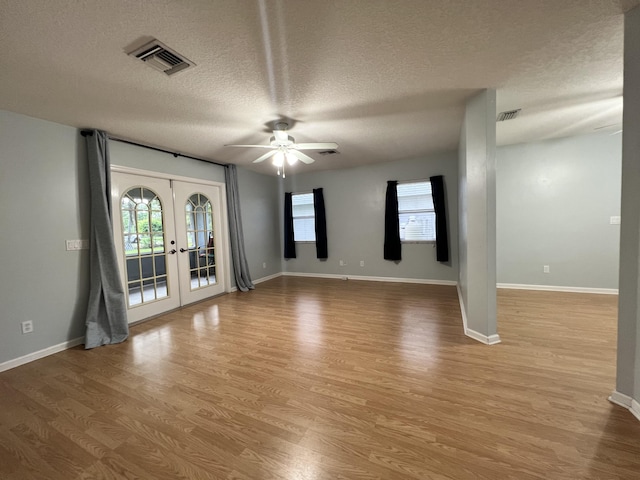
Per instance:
(440,207)
(392,246)
(289,242)
(320,223)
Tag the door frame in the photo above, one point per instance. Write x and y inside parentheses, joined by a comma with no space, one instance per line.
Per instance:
(224,220)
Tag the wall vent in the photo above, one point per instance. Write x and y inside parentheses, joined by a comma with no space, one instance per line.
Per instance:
(508,115)
(162,58)
(328,152)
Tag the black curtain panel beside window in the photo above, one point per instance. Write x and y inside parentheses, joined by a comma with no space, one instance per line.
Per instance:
(392,245)
(320,223)
(439,206)
(289,241)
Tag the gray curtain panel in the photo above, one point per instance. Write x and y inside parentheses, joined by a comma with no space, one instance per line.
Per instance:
(106,312)
(238,257)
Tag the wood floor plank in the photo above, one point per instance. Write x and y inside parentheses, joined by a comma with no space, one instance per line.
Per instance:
(326,379)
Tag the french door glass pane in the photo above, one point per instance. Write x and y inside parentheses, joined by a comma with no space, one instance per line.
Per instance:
(144,238)
(200,239)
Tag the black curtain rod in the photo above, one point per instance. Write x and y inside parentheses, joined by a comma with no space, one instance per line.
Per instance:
(89,133)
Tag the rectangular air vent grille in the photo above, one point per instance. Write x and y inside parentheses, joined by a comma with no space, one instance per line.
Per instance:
(162,58)
(508,115)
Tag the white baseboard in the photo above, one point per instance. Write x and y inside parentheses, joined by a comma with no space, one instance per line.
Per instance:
(267,278)
(557,288)
(487,340)
(620,399)
(635,409)
(16,362)
(424,281)
(625,401)
(490,340)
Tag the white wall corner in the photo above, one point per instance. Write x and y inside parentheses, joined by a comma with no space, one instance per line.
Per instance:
(487,340)
(462,309)
(620,399)
(31,357)
(635,409)
(625,401)
(490,340)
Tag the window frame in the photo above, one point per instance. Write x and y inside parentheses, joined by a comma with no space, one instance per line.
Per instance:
(418,211)
(293,215)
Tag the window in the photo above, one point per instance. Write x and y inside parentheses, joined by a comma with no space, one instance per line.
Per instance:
(304,229)
(415,212)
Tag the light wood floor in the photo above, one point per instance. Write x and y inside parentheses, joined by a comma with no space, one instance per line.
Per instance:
(327,379)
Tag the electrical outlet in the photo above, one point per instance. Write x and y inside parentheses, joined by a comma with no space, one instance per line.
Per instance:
(545,269)
(362,263)
(264,265)
(342,263)
(615,220)
(27,327)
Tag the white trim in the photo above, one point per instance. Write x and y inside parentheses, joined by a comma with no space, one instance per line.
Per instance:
(165,176)
(31,357)
(558,288)
(490,340)
(337,276)
(625,401)
(635,409)
(620,399)
(462,309)
(267,278)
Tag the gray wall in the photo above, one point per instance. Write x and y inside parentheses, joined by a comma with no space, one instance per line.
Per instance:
(477,166)
(44,200)
(628,368)
(554,203)
(260,222)
(354,201)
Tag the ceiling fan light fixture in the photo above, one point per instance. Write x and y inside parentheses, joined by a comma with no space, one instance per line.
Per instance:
(278,159)
(291,158)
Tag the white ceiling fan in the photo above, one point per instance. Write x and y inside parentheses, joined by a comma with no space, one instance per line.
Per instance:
(283,147)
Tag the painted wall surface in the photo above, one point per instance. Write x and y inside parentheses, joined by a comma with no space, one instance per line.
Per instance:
(44,200)
(259,205)
(476,157)
(628,367)
(355,202)
(125,155)
(554,203)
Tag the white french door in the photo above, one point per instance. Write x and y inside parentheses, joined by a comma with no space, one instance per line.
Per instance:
(170,241)
(199,236)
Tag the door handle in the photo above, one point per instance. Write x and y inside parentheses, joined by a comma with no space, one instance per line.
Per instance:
(172,252)
(182,250)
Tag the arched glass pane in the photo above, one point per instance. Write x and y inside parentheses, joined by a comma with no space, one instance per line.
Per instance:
(144,238)
(200,238)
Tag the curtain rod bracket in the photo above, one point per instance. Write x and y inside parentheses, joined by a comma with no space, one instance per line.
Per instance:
(86,133)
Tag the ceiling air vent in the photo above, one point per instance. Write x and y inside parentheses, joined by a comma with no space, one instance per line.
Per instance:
(162,58)
(508,115)
(328,152)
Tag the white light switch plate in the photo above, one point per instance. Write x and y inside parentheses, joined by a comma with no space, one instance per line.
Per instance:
(615,220)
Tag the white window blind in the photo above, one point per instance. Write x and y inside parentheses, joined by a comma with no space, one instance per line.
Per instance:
(304,229)
(415,212)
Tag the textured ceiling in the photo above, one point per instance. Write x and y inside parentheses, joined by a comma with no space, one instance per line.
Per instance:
(385,79)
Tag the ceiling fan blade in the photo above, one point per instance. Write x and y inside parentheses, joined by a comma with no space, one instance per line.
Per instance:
(265,156)
(316,146)
(252,146)
(304,158)
(281,135)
